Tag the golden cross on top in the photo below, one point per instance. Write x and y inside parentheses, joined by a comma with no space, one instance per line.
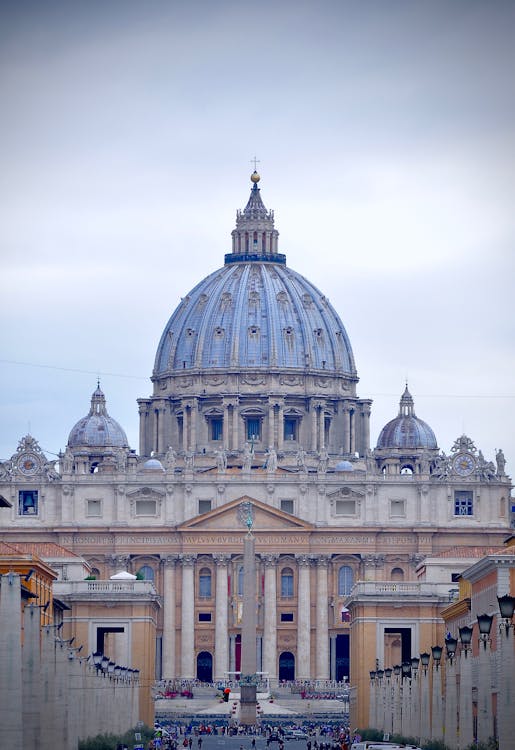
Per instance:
(255,162)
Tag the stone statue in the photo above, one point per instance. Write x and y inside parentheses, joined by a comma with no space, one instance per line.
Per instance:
(300,459)
(67,462)
(424,463)
(323,460)
(170,459)
(221,460)
(271,460)
(442,466)
(189,459)
(248,455)
(501,463)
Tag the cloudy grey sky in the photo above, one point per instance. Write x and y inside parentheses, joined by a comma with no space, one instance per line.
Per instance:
(386,136)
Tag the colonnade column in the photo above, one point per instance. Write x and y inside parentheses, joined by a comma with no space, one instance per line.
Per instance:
(187,617)
(185,431)
(10,674)
(160,415)
(221,618)
(169,604)
(352,431)
(303,670)
(270,617)
(322,621)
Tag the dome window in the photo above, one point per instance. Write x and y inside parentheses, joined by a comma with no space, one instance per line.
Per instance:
(318,333)
(291,428)
(254,330)
(190,332)
(288,331)
(219,332)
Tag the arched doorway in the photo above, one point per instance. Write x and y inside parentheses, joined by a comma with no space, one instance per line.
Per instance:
(286,666)
(205,667)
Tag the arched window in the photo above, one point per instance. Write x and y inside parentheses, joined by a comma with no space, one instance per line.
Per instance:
(204,583)
(240,581)
(287,582)
(345,580)
(406,470)
(397,574)
(145,573)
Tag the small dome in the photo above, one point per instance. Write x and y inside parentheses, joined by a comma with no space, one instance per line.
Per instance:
(153,464)
(407,430)
(97,429)
(344,466)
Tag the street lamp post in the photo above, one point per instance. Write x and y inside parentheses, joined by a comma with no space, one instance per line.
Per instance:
(466,734)
(505,713)
(388,702)
(436,702)
(372,715)
(484,699)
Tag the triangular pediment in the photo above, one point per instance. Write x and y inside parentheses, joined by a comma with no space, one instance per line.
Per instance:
(228,517)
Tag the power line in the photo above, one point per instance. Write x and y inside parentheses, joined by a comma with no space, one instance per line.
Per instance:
(96,373)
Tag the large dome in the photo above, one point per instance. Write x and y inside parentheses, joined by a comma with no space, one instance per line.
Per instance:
(97,429)
(407,430)
(255,312)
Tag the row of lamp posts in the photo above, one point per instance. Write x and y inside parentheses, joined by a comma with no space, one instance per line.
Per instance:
(407,699)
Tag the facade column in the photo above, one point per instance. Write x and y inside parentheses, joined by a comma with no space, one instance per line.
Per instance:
(235,428)
(160,448)
(221,618)
(280,428)
(365,438)
(143,407)
(193,425)
(271,425)
(169,668)
(332,650)
(270,617)
(352,431)
(321,428)
(303,666)
(185,430)
(314,410)
(187,618)
(226,433)
(322,620)
(346,429)
(232,654)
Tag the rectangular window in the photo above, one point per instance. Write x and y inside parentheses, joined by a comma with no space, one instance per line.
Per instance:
(286,616)
(204,506)
(93,508)
(253,429)
(397,509)
(216,428)
(290,428)
(345,507)
(463,503)
(204,616)
(28,502)
(145,507)
(287,506)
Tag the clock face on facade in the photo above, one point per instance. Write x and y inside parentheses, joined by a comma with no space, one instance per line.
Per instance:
(28,464)
(464,464)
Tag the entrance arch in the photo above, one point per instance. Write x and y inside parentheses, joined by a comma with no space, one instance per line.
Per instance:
(205,667)
(286,666)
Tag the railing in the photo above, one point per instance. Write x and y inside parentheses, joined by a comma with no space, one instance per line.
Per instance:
(106,587)
(402,588)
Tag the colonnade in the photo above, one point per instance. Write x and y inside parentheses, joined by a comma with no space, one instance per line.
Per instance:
(180,569)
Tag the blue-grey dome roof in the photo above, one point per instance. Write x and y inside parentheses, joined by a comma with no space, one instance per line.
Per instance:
(407,430)
(98,429)
(344,466)
(254,312)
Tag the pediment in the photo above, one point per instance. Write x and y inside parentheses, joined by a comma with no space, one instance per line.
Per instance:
(346,493)
(227,517)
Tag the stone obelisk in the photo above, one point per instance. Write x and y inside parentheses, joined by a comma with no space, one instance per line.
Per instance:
(248,679)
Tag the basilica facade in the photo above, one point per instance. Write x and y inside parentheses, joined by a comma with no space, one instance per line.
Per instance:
(255,400)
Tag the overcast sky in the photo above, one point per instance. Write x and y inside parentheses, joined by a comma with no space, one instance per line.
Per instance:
(386,137)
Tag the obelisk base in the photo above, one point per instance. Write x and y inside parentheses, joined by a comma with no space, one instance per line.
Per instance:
(248,704)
